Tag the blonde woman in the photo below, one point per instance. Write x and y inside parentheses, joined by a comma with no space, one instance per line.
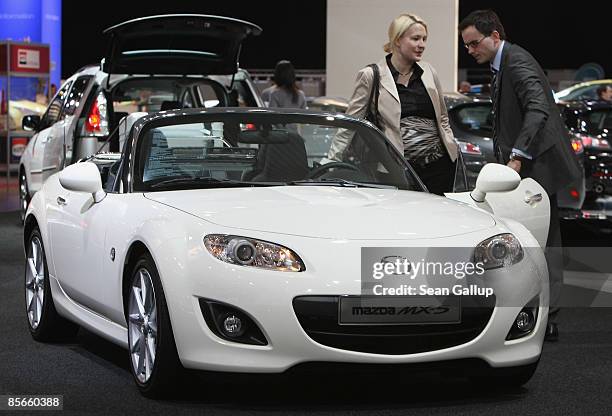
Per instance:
(410,105)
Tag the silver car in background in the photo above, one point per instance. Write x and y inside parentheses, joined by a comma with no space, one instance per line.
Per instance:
(140,73)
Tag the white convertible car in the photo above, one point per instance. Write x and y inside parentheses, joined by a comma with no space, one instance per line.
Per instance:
(215,242)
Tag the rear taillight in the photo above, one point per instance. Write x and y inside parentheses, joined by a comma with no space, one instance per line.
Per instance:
(248,127)
(574,194)
(96,123)
(577,146)
(594,142)
(469,148)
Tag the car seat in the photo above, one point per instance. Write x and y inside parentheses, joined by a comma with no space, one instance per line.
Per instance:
(282,161)
(170,105)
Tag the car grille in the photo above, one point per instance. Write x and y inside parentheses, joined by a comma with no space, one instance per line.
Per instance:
(318,316)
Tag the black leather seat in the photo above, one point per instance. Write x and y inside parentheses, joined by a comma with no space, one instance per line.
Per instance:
(170,105)
(283,161)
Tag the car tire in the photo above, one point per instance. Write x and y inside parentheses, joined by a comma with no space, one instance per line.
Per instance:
(154,361)
(44,322)
(505,377)
(24,194)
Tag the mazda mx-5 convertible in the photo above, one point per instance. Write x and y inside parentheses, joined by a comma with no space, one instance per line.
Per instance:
(217,240)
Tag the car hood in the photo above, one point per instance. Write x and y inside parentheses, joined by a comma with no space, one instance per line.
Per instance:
(330,212)
(184,44)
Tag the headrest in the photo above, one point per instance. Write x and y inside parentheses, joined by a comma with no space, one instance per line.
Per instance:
(263,136)
(170,105)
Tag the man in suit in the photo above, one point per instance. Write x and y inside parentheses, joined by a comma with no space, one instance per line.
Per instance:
(528,132)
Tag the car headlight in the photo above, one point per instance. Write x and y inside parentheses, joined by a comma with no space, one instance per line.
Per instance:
(498,251)
(245,251)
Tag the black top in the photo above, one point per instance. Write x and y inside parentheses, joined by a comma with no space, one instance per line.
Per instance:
(414,99)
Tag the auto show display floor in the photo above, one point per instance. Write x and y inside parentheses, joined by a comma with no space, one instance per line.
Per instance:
(93,375)
(9,193)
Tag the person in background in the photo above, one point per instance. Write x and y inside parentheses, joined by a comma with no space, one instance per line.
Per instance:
(465,87)
(528,132)
(604,93)
(52,90)
(285,92)
(411,106)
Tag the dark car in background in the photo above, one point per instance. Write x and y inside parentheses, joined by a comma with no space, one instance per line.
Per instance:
(472,124)
(591,123)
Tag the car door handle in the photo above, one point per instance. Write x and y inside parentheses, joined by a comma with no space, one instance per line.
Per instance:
(533,199)
(61,201)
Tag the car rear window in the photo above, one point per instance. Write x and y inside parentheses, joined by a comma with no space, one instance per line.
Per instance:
(474,118)
(153,94)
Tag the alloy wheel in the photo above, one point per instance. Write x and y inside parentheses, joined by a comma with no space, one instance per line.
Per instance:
(142,325)
(35,282)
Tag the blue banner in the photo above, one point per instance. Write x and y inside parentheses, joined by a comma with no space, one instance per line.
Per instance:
(35,21)
(51,23)
(20,20)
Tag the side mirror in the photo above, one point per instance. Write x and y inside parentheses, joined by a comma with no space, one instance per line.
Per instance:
(30,122)
(495,178)
(83,177)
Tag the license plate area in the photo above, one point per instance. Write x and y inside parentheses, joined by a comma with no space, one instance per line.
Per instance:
(405,310)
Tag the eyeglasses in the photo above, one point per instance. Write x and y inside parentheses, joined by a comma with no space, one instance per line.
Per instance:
(474,43)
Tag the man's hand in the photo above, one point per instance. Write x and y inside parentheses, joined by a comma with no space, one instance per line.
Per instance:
(515,164)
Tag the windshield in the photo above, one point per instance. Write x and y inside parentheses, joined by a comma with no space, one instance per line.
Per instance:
(588,92)
(245,150)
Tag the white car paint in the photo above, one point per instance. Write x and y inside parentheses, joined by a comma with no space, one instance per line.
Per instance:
(527,204)
(87,284)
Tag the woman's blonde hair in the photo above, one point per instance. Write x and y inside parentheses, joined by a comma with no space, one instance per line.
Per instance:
(399,26)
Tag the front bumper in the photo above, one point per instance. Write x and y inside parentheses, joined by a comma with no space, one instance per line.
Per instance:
(269,298)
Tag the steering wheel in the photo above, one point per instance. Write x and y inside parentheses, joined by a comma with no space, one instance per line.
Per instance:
(318,171)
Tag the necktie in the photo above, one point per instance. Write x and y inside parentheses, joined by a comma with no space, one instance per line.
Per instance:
(495,100)
(494,73)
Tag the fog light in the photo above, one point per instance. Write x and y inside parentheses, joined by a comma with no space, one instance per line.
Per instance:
(232,326)
(230,323)
(524,321)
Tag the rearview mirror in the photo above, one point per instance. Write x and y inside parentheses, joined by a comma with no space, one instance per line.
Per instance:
(30,122)
(495,178)
(83,177)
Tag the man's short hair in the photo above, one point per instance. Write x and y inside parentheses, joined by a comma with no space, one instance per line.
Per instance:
(485,21)
(601,89)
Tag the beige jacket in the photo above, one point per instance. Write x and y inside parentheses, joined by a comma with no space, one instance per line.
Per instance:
(389,108)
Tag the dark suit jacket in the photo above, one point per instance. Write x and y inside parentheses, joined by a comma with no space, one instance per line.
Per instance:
(527,119)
